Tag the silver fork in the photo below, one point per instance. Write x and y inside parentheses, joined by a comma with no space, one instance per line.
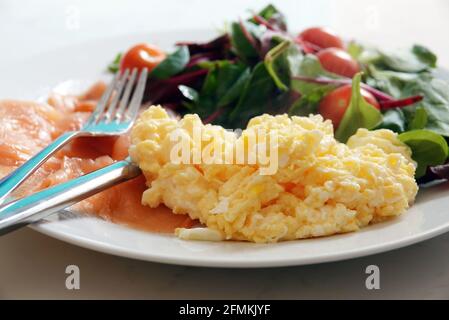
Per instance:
(18,213)
(114,115)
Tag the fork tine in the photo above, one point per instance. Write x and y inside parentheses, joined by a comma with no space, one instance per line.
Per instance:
(107,116)
(103,101)
(138,95)
(125,97)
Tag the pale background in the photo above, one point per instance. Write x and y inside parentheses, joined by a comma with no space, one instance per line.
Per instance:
(33,265)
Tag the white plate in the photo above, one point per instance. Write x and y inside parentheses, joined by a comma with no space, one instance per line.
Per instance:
(86,63)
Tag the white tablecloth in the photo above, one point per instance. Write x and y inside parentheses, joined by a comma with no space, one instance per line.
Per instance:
(33,265)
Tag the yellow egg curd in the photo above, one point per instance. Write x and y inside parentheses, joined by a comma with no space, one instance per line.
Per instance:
(320,187)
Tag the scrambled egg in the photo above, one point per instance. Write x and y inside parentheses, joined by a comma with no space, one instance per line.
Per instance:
(322,187)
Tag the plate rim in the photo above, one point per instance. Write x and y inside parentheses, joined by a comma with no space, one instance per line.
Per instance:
(222,263)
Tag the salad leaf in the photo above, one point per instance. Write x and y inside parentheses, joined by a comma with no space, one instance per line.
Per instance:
(114,66)
(419,120)
(268,12)
(173,64)
(389,81)
(210,65)
(435,103)
(354,49)
(425,55)
(428,149)
(234,91)
(225,76)
(435,92)
(277,68)
(405,119)
(310,67)
(283,62)
(394,120)
(242,46)
(413,60)
(256,97)
(359,114)
(308,103)
(311,93)
(222,86)
(274,17)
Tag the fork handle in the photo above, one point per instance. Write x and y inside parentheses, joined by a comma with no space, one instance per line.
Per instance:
(10,183)
(19,213)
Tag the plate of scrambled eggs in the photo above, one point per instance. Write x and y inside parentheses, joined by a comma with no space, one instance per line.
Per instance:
(324,201)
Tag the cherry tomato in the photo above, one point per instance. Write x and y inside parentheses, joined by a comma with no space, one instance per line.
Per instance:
(142,56)
(322,38)
(334,105)
(338,61)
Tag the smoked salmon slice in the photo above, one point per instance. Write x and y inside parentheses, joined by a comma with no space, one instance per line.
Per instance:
(27,127)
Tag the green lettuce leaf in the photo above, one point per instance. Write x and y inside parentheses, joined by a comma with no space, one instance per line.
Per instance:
(419,120)
(283,62)
(308,103)
(428,149)
(240,44)
(393,120)
(234,90)
(413,60)
(434,90)
(274,16)
(223,85)
(311,93)
(359,114)
(259,95)
(310,67)
(114,66)
(173,64)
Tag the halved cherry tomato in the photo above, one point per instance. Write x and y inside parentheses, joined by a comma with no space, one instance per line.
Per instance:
(141,56)
(338,61)
(334,105)
(322,38)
